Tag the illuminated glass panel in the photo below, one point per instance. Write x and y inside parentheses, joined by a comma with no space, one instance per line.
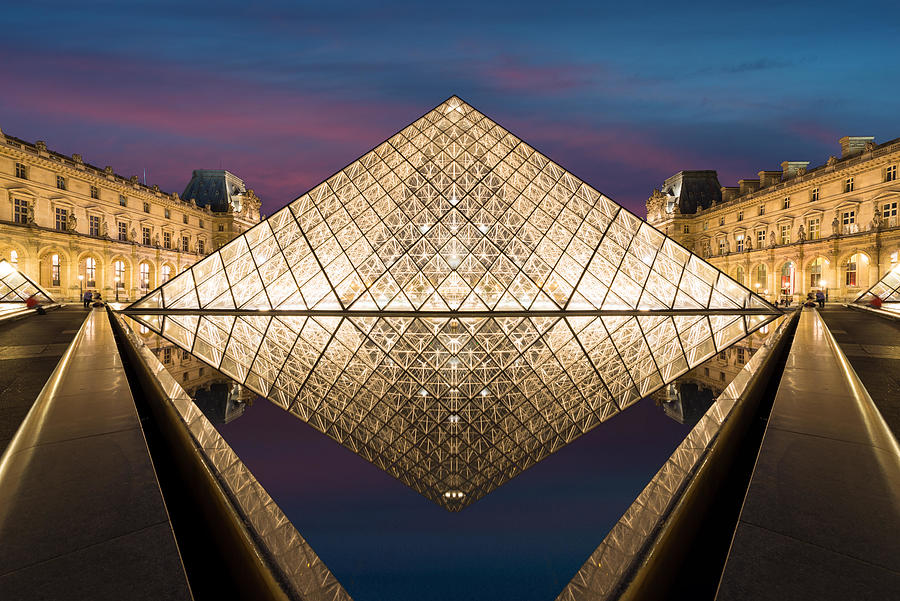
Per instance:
(15,287)
(453,307)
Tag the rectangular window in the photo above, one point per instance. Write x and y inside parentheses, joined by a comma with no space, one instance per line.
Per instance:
(814,195)
(721,221)
(21,171)
(848,184)
(686,229)
(889,214)
(60,182)
(890,174)
(54,270)
(786,203)
(848,222)
(123,202)
(739,244)
(814,228)
(62,219)
(20,210)
(760,238)
(185,243)
(184,219)
(201,247)
(167,355)
(94,225)
(145,236)
(123,231)
(221,227)
(786,234)
(721,246)
(167,240)
(705,225)
(168,214)
(740,355)
(762,209)
(201,223)
(740,216)
(95,192)
(146,207)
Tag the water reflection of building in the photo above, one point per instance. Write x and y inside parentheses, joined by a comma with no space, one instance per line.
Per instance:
(687,399)
(222,401)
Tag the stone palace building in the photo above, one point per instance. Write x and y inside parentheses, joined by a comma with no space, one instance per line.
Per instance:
(797,229)
(72,226)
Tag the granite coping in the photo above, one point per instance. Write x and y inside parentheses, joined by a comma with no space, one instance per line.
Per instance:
(81,512)
(822,511)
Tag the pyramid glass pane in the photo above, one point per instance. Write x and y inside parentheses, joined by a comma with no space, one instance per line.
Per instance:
(16,287)
(453,306)
(887,289)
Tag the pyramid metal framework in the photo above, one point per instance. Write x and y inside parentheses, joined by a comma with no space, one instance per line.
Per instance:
(453,306)
(16,287)
(887,288)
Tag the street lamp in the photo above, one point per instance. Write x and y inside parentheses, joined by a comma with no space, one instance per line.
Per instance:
(117,288)
(824,285)
(81,286)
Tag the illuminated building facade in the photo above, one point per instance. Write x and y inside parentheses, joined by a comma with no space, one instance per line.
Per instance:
(453,306)
(70,226)
(797,229)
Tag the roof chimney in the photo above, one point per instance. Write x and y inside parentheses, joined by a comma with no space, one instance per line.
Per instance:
(768,178)
(792,168)
(853,145)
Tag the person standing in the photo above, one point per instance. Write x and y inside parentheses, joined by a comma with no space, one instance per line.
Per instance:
(820,298)
(86,299)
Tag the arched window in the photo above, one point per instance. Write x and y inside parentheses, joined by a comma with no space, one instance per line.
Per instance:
(90,272)
(14,257)
(787,279)
(166,273)
(815,273)
(145,276)
(760,278)
(54,270)
(119,270)
(854,264)
(739,275)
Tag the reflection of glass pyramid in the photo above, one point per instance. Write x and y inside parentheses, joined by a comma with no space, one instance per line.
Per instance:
(15,287)
(887,288)
(453,306)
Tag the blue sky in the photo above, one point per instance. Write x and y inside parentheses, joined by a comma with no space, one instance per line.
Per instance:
(286,93)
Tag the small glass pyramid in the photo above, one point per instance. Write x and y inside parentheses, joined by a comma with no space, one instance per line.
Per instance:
(453,307)
(887,289)
(16,287)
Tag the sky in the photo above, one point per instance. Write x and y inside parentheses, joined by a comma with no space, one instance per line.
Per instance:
(284,94)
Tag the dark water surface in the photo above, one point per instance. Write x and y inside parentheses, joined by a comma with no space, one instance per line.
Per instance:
(385,542)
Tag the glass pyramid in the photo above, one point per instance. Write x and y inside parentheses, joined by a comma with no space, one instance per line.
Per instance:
(887,288)
(15,287)
(453,307)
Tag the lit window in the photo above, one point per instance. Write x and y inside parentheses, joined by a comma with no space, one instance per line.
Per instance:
(14,257)
(145,236)
(95,192)
(123,202)
(786,203)
(814,195)
(166,273)
(786,234)
(787,279)
(850,275)
(739,244)
(889,213)
(145,277)
(54,270)
(119,270)
(815,272)
(62,218)
(722,246)
(848,184)
(90,272)
(167,240)
(20,210)
(762,209)
(813,228)
(60,182)
(890,174)
(739,275)
(123,231)
(21,171)
(760,277)
(848,222)
(760,238)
